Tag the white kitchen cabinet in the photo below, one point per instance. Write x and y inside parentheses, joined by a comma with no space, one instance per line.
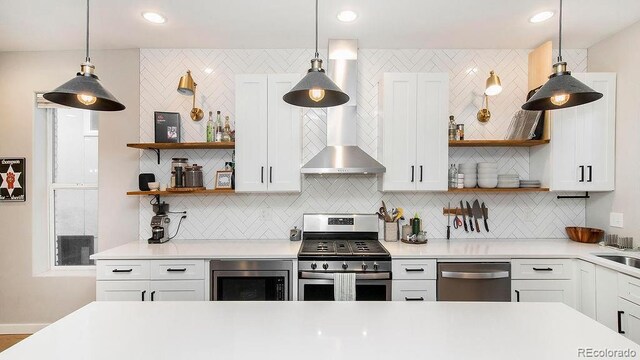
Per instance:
(543,291)
(586,288)
(629,320)
(268,134)
(581,155)
(412,141)
(607,297)
(125,290)
(413,290)
(178,290)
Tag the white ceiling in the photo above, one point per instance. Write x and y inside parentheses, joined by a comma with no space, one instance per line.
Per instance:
(59,24)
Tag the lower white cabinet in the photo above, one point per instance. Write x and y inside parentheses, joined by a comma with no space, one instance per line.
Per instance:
(413,290)
(586,288)
(607,297)
(151,280)
(629,320)
(543,291)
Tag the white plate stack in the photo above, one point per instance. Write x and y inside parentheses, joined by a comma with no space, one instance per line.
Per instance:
(487,175)
(531,184)
(470,174)
(508,181)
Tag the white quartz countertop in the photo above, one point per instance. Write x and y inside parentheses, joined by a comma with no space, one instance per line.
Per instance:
(204,249)
(319,330)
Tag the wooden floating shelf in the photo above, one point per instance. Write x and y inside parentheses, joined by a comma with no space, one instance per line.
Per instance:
(179,193)
(499,190)
(184,145)
(496,143)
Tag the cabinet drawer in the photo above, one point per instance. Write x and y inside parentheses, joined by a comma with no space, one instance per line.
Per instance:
(413,290)
(629,288)
(177,269)
(122,270)
(414,269)
(542,269)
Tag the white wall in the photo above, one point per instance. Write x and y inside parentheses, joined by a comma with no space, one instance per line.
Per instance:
(621,54)
(28,300)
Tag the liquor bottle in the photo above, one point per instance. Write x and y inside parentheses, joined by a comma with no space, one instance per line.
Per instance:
(218,129)
(226,134)
(210,129)
(453,130)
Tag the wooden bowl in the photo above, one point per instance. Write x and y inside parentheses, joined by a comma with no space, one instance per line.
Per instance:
(584,234)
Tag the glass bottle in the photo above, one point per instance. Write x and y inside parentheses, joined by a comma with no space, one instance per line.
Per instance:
(210,136)
(218,125)
(226,134)
(453,130)
(453,176)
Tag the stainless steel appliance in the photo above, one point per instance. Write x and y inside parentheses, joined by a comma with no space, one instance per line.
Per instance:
(474,282)
(159,229)
(333,243)
(251,280)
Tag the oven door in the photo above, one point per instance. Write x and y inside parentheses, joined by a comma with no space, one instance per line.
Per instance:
(319,287)
(250,285)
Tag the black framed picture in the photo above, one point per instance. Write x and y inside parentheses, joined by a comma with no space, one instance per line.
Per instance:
(13,186)
(167,127)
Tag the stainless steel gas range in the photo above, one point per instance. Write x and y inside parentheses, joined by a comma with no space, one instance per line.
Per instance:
(333,243)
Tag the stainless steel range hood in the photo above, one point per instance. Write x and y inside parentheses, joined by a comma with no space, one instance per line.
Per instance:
(342,154)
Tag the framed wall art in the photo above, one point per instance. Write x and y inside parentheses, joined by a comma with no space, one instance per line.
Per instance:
(13,186)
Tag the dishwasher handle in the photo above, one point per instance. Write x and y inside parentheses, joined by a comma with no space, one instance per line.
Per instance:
(475,275)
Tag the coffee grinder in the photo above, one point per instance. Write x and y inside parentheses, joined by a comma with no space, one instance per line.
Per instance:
(160,224)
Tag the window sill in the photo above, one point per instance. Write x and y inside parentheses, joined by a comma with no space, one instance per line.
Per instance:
(73,272)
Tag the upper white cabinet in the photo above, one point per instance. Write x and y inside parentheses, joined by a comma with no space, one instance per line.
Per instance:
(268,134)
(581,156)
(412,141)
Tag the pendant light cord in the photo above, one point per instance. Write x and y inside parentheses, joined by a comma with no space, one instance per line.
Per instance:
(560,35)
(87,58)
(317,55)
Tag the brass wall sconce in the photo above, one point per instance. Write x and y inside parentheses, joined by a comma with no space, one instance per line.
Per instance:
(493,87)
(187,86)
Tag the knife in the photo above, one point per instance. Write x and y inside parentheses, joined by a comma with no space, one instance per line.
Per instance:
(470,213)
(485,212)
(464,217)
(477,213)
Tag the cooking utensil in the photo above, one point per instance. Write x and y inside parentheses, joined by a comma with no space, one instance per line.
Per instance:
(477,213)
(470,213)
(456,220)
(399,214)
(584,234)
(485,212)
(449,221)
(464,218)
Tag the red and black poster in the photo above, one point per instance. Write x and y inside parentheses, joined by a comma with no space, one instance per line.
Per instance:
(12,179)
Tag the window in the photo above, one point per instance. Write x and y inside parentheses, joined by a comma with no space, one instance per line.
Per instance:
(72,186)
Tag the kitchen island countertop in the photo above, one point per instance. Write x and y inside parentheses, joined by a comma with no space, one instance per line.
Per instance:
(320,330)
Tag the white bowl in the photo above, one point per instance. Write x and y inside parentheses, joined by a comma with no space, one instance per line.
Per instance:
(487,166)
(487,184)
(488,171)
(470,183)
(154,185)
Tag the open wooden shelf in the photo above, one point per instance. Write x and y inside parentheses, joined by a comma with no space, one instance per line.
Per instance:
(499,190)
(184,145)
(178,193)
(496,143)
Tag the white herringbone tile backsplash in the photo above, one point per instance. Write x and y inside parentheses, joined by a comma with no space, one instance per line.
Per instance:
(244,216)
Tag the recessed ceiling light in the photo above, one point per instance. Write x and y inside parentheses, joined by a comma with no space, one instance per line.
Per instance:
(347,16)
(540,17)
(154,17)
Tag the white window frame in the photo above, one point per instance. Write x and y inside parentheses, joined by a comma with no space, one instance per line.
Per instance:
(51,188)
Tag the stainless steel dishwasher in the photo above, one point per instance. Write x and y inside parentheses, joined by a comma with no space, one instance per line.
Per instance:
(474,282)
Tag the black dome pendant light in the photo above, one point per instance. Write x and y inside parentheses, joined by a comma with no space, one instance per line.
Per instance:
(85,91)
(316,90)
(561,90)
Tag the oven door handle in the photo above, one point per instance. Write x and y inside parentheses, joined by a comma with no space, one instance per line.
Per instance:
(329,276)
(475,275)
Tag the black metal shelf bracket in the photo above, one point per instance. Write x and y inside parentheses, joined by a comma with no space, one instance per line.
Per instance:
(157,154)
(585,196)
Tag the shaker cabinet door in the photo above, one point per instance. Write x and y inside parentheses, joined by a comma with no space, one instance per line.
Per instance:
(543,291)
(251,133)
(126,290)
(177,290)
(432,146)
(397,143)
(284,136)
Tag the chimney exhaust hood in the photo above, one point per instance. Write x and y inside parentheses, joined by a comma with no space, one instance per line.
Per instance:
(342,154)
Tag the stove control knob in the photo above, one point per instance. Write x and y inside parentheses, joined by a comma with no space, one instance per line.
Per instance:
(345,265)
(375,266)
(364,267)
(314,266)
(325,266)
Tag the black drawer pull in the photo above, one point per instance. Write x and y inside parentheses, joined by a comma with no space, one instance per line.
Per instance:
(414,298)
(517,296)
(122,271)
(414,270)
(542,269)
(620,331)
(176,270)
(152,293)
(143,292)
